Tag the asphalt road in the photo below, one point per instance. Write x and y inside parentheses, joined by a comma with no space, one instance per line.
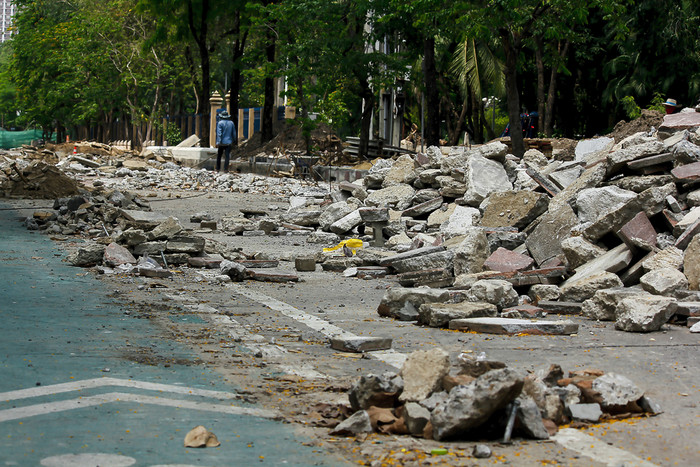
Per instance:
(267,343)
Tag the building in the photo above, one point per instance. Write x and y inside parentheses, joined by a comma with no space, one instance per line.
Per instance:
(7,9)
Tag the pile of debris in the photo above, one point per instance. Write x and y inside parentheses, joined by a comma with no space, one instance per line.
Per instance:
(479,239)
(480,399)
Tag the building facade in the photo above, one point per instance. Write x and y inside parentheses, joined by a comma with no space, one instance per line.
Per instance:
(7,9)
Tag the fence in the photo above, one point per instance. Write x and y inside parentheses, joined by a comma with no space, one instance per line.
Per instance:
(15,139)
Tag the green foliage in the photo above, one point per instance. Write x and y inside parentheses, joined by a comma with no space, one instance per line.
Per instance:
(657,103)
(173,135)
(631,108)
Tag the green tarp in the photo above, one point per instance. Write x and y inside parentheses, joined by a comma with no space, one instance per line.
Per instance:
(15,139)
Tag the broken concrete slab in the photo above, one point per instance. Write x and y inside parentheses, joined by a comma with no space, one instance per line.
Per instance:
(664,281)
(644,313)
(495,291)
(87,254)
(438,315)
(483,176)
(514,326)
(403,303)
(585,287)
(554,226)
(594,203)
(437,277)
(116,255)
(513,208)
(585,412)
(617,393)
(471,405)
(603,305)
(422,373)
(614,260)
(579,251)
(360,344)
(472,252)
(691,263)
(638,233)
(375,390)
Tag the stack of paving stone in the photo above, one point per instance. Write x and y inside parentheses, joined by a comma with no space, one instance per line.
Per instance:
(481,399)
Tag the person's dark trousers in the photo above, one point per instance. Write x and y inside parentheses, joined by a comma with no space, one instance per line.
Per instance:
(223,149)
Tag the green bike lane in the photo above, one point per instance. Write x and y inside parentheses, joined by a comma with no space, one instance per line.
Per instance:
(68,395)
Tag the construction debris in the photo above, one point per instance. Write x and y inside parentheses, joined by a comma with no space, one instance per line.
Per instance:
(481,399)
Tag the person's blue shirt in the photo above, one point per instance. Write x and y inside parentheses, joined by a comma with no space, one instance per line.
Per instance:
(225,132)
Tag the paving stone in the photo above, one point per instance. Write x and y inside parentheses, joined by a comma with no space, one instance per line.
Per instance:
(514,326)
(687,173)
(638,233)
(416,417)
(530,418)
(523,311)
(505,261)
(690,232)
(185,244)
(613,220)
(688,309)
(422,373)
(614,260)
(644,313)
(143,217)
(334,212)
(305,263)
(359,344)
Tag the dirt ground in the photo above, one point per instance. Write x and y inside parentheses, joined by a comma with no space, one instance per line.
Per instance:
(279,362)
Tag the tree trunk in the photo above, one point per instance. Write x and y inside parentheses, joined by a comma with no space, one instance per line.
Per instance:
(200,34)
(539,60)
(236,85)
(432,97)
(552,93)
(368,107)
(269,105)
(512,96)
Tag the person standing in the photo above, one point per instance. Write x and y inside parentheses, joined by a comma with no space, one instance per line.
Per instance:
(225,138)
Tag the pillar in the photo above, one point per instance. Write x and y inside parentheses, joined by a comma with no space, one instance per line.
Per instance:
(214,104)
(228,103)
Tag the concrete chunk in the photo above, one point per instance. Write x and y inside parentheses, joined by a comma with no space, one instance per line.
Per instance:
(514,326)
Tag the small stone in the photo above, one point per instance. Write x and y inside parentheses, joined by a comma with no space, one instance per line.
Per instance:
(360,344)
(585,412)
(357,423)
(481,451)
(199,437)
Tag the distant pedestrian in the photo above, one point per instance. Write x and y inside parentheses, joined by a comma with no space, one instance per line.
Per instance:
(671,106)
(225,138)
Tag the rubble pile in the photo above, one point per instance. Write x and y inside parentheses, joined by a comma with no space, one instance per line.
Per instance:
(479,398)
(477,239)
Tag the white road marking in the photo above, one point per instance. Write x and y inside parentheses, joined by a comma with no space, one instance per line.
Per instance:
(101,382)
(390,357)
(91,401)
(598,450)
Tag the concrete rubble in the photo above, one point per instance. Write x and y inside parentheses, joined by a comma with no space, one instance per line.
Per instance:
(480,224)
(477,240)
(473,397)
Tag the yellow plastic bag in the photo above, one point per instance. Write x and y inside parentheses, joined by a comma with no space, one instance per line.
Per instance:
(352,243)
